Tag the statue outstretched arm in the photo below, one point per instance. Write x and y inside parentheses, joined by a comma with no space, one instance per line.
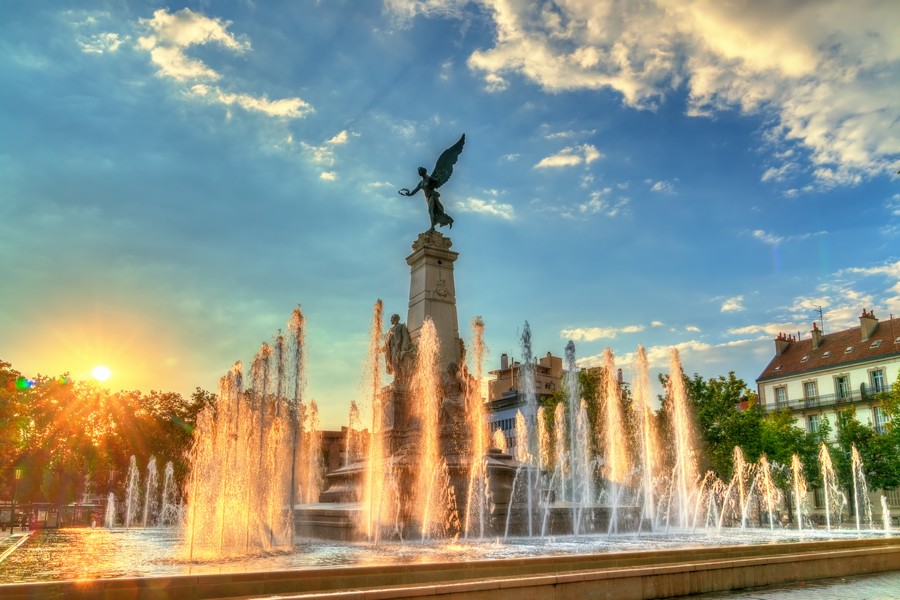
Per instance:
(413,192)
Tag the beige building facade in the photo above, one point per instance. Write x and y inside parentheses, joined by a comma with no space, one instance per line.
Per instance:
(818,376)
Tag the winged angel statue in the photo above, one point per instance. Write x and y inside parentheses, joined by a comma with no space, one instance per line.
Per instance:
(430,183)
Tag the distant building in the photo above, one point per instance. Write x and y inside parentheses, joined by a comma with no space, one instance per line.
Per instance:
(506,394)
(818,376)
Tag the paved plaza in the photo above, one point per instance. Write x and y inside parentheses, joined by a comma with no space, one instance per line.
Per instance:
(881,586)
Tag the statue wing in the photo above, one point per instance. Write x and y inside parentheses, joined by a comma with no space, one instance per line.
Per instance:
(443,169)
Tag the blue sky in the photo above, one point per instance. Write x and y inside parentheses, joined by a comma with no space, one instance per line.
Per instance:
(175,178)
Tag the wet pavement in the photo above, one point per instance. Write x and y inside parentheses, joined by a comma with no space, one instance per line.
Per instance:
(880,586)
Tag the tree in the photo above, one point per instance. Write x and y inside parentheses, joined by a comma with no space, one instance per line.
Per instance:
(728,415)
(72,437)
(716,403)
(13,411)
(880,454)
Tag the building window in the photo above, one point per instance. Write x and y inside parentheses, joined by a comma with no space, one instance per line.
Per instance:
(780,396)
(875,344)
(812,422)
(809,390)
(848,350)
(819,497)
(842,387)
(878,419)
(893,497)
(877,378)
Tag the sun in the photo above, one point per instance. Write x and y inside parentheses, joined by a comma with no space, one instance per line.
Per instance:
(101,373)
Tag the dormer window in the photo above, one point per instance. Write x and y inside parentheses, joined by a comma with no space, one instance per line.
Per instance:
(778,368)
(826,354)
(848,350)
(875,344)
(805,358)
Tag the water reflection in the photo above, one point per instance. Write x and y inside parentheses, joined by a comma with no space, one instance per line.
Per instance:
(101,553)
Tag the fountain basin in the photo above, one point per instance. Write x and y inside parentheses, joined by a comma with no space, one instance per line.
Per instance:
(663,572)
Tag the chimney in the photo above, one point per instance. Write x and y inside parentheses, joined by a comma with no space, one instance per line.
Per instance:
(504,361)
(867,324)
(817,336)
(782,342)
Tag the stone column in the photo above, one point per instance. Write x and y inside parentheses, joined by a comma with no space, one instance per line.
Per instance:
(432,293)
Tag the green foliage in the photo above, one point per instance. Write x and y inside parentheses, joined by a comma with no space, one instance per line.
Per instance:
(890,402)
(721,425)
(880,454)
(69,437)
(728,415)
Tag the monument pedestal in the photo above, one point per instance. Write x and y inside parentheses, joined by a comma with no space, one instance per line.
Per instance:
(401,445)
(432,295)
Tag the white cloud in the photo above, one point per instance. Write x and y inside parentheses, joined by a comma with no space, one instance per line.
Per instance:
(735,304)
(446,70)
(767,238)
(101,43)
(487,207)
(891,270)
(664,187)
(570,156)
(495,83)
(324,154)
(340,138)
(375,185)
(285,108)
(824,74)
(601,202)
(406,10)
(692,329)
(893,205)
(169,35)
(590,334)
(766,330)
(328,176)
(779,173)
(775,240)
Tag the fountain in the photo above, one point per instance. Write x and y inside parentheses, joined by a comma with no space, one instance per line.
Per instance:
(109,519)
(247,466)
(430,469)
(799,489)
(831,489)
(132,492)
(861,503)
(169,513)
(885,515)
(150,491)
(682,487)
(424,479)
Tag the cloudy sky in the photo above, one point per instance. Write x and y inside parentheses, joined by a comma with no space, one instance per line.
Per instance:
(175,178)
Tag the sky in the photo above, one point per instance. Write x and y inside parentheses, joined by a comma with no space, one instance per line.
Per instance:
(176,178)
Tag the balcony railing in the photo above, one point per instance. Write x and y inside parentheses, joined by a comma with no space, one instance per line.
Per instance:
(819,401)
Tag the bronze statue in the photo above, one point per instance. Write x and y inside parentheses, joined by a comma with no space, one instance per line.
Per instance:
(430,183)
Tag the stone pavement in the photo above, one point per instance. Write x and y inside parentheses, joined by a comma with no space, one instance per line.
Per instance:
(880,586)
